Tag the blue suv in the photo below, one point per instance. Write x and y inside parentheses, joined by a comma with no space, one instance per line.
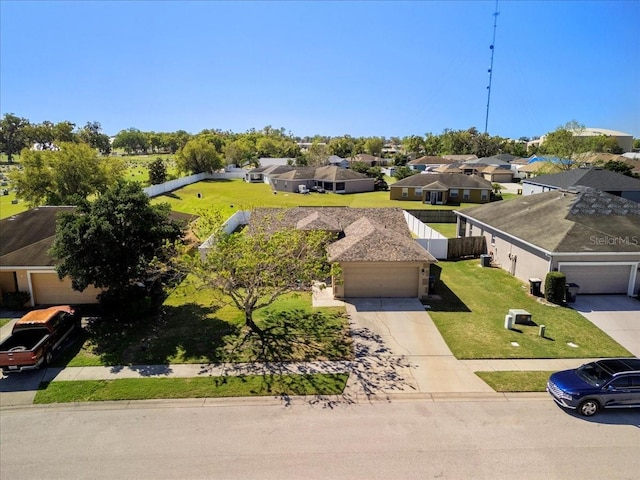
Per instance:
(608,383)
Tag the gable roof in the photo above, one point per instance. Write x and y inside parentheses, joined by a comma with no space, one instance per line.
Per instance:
(430,160)
(558,221)
(25,238)
(599,178)
(370,234)
(460,158)
(271,169)
(451,180)
(331,173)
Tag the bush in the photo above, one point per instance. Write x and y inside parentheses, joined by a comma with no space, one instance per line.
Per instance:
(15,300)
(554,287)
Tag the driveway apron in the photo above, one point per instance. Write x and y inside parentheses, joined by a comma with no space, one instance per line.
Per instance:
(398,345)
(617,315)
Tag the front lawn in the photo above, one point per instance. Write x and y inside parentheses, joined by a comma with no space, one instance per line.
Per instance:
(231,195)
(200,387)
(197,327)
(470,317)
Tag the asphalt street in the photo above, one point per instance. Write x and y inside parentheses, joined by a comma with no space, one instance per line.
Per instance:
(263,438)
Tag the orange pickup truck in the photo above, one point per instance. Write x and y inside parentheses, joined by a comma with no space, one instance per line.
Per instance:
(37,337)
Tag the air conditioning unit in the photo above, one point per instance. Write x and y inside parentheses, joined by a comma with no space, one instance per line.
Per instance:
(508,322)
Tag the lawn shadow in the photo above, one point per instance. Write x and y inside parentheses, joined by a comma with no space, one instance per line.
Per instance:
(188,331)
(445,300)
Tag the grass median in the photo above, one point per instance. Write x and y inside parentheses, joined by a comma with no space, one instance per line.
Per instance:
(527,381)
(200,387)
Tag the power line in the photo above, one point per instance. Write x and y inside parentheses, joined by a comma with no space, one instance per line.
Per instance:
(492,48)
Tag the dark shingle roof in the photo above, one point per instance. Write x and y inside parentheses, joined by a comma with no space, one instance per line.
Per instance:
(430,160)
(26,238)
(599,178)
(558,221)
(451,180)
(370,234)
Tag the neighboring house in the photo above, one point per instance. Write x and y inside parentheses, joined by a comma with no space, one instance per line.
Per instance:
(329,178)
(336,161)
(460,158)
(599,178)
(591,236)
(428,163)
(370,160)
(531,170)
(261,174)
(25,264)
(374,248)
(442,188)
(495,173)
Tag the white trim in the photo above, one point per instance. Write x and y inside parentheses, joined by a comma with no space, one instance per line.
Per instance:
(632,278)
(32,300)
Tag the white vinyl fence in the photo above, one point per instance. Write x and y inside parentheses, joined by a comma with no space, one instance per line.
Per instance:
(434,242)
(230,172)
(241,217)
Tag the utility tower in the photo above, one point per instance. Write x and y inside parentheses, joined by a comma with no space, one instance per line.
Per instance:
(492,47)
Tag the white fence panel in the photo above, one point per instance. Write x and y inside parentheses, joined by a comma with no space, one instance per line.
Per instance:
(241,217)
(434,242)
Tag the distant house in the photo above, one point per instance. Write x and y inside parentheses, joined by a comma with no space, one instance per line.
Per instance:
(460,158)
(442,188)
(261,174)
(267,162)
(336,161)
(370,160)
(589,235)
(599,178)
(495,173)
(375,250)
(428,163)
(328,178)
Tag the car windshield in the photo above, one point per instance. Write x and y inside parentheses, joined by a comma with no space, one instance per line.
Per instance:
(593,374)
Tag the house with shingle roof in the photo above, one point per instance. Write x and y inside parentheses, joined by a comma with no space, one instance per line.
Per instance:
(328,178)
(25,264)
(374,248)
(428,163)
(442,188)
(590,235)
(593,177)
(261,174)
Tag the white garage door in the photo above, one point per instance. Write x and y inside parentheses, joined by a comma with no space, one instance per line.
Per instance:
(49,290)
(601,279)
(378,281)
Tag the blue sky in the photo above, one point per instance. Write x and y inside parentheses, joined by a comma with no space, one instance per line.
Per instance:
(385,68)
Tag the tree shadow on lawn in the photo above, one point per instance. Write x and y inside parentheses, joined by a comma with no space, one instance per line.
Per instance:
(187,331)
(290,347)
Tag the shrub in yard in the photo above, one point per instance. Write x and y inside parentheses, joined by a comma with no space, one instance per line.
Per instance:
(554,287)
(15,300)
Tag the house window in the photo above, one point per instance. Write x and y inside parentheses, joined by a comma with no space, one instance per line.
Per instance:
(405,192)
(484,194)
(340,186)
(453,193)
(418,192)
(465,194)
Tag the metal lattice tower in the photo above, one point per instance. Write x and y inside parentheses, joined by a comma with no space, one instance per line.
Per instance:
(493,49)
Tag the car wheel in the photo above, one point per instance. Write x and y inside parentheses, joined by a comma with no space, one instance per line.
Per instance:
(48,357)
(588,408)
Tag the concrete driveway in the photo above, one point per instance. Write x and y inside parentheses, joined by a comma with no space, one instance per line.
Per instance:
(617,315)
(400,348)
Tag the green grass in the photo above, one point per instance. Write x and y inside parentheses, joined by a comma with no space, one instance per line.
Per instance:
(201,387)
(4,321)
(516,381)
(449,230)
(231,195)
(196,326)
(138,167)
(470,317)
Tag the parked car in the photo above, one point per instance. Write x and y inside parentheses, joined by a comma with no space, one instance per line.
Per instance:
(37,337)
(608,383)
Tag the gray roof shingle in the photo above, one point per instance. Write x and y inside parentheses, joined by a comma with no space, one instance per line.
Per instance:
(599,178)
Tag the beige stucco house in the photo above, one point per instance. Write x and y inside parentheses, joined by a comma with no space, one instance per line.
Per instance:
(374,248)
(442,188)
(25,264)
(591,236)
(329,178)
